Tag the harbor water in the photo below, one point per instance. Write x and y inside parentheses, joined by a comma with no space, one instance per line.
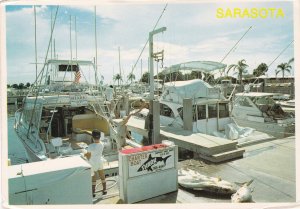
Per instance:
(16,151)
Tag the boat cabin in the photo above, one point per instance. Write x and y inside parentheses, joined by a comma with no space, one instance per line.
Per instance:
(210,109)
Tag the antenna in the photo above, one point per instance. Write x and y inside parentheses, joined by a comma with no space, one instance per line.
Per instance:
(120,64)
(141,69)
(35,44)
(75,38)
(96,58)
(71,45)
(51,39)
(55,57)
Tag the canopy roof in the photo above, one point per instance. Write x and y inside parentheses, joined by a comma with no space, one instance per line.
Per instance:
(201,66)
(178,90)
(69,62)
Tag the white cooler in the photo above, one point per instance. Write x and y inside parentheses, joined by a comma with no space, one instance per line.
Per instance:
(147,172)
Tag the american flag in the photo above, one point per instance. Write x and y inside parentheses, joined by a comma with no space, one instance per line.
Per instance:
(77,76)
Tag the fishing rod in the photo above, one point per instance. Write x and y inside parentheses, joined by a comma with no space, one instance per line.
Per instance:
(148,39)
(236,44)
(42,71)
(276,58)
(233,48)
(280,53)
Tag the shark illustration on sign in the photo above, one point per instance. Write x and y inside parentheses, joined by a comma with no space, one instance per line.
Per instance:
(152,161)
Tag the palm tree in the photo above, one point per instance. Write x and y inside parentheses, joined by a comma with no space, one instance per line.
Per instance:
(118,77)
(240,67)
(284,67)
(131,77)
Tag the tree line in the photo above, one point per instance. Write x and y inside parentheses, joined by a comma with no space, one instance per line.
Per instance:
(239,69)
(19,86)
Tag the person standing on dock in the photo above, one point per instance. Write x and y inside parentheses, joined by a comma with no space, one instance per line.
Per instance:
(94,156)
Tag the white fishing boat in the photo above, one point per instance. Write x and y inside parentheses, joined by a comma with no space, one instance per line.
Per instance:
(287,106)
(58,120)
(285,101)
(258,110)
(210,109)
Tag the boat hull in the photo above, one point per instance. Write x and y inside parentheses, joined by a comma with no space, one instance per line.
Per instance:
(273,129)
(30,154)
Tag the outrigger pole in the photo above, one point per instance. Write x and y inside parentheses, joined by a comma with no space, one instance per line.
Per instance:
(35,44)
(148,38)
(42,71)
(96,58)
(281,53)
(276,57)
(235,44)
(71,61)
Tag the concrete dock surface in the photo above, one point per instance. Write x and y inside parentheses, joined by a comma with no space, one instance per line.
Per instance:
(271,164)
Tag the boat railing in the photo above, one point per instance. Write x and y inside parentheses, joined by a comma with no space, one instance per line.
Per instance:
(232,92)
(17,117)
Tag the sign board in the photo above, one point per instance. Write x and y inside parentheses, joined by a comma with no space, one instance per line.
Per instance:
(78,100)
(147,167)
(149,162)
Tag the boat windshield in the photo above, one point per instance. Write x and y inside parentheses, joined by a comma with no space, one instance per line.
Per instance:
(263,100)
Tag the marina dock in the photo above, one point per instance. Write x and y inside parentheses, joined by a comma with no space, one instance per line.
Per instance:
(271,183)
(208,147)
(274,177)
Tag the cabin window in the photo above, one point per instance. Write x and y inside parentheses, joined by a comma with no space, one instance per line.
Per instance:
(201,109)
(223,110)
(264,101)
(166,111)
(212,111)
(244,102)
(63,68)
(180,112)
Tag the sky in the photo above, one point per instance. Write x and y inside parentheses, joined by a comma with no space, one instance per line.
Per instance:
(193,33)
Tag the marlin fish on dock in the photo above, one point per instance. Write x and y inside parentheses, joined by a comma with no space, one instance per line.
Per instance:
(243,194)
(193,180)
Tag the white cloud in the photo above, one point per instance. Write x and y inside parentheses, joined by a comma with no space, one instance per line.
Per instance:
(193,33)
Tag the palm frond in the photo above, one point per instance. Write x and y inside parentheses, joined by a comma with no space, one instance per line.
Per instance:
(232,66)
(291,60)
(278,71)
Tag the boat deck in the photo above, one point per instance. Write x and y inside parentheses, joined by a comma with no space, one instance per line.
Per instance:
(271,164)
(211,148)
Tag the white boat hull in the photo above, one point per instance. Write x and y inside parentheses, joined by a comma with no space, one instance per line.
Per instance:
(30,154)
(273,129)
